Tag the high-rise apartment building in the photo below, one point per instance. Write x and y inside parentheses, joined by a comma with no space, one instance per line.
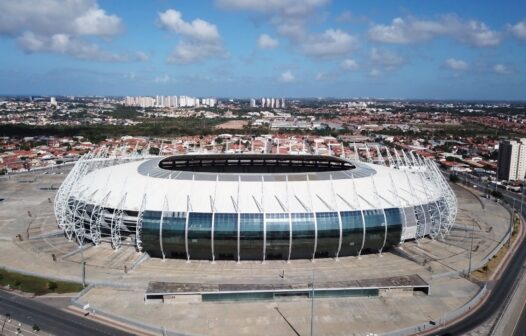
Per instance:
(252,102)
(511,163)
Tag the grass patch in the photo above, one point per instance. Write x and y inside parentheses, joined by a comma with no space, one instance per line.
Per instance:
(36,285)
(486,271)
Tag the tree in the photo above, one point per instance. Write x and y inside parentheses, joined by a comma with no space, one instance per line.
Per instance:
(454,178)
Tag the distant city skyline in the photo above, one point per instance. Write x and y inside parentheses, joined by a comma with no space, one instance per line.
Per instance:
(265,48)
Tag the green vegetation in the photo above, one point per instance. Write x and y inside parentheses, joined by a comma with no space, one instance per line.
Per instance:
(168,127)
(36,285)
(124,112)
(496,194)
(453,178)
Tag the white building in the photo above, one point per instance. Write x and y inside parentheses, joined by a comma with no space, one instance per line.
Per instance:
(512,160)
(252,102)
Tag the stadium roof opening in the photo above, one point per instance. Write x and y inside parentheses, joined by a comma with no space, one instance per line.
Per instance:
(255,163)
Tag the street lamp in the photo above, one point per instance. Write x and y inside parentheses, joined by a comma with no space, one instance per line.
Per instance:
(7,318)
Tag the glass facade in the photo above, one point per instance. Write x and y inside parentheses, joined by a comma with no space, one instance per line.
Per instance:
(352,232)
(278,234)
(200,235)
(173,234)
(374,230)
(251,236)
(303,233)
(328,224)
(150,233)
(225,236)
(394,226)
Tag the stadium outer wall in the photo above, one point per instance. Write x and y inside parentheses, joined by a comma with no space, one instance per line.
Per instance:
(253,206)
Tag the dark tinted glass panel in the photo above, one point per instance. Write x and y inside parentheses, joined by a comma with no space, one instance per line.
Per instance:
(394,226)
(251,237)
(302,235)
(278,234)
(225,236)
(374,230)
(328,234)
(199,235)
(352,227)
(173,234)
(150,233)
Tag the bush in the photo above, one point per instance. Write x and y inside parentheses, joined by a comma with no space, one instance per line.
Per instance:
(52,285)
(454,178)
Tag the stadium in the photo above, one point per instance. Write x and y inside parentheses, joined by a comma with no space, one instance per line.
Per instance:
(254,206)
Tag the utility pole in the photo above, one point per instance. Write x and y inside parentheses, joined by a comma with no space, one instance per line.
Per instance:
(312,307)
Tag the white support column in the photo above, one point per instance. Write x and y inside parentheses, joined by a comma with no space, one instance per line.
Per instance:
(380,156)
(165,208)
(356,152)
(290,216)
(357,200)
(96,218)
(213,208)
(420,233)
(314,217)
(390,158)
(186,228)
(399,161)
(335,202)
(383,211)
(264,217)
(238,220)
(400,206)
(368,154)
(138,226)
(116,223)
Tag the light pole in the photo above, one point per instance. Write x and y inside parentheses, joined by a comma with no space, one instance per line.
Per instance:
(312,307)
(7,317)
(471,247)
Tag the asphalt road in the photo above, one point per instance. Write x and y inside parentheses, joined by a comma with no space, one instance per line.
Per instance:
(503,287)
(520,328)
(51,319)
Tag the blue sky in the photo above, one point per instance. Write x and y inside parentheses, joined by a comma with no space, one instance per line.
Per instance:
(252,48)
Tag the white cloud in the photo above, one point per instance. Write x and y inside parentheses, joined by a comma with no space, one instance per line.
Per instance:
(349,64)
(267,42)
(375,72)
(290,19)
(501,69)
(287,77)
(283,7)
(141,56)
(385,60)
(412,30)
(320,76)
(518,30)
(200,39)
(67,45)
(191,52)
(197,29)
(456,65)
(162,79)
(56,26)
(330,43)
(96,22)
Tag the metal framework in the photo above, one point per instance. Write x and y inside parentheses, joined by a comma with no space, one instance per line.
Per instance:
(435,208)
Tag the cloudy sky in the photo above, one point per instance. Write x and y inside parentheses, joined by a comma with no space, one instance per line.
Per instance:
(252,48)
